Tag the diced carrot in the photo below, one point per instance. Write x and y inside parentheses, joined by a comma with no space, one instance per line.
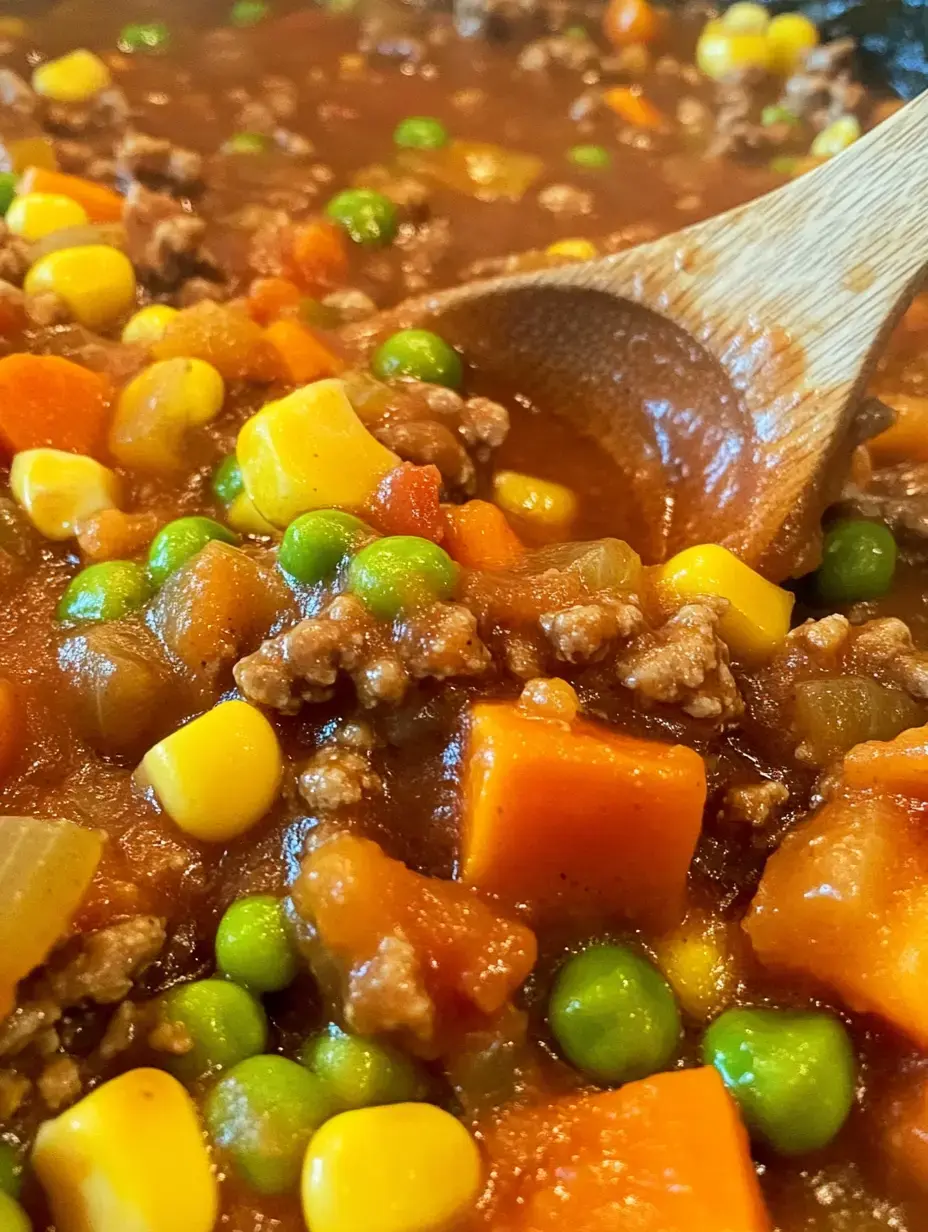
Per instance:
(844,900)
(270,298)
(47,400)
(114,535)
(11,725)
(578,816)
(667,1154)
(630,105)
(897,767)
(319,256)
(407,502)
(479,537)
(626,22)
(225,337)
(101,204)
(907,439)
(304,357)
(376,922)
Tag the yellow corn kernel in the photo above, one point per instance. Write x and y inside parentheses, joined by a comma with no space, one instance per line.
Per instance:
(73,78)
(789,37)
(395,1168)
(148,324)
(34,215)
(244,517)
(573,250)
(547,505)
(698,959)
(158,408)
(61,490)
(96,282)
(757,617)
(836,137)
(218,775)
(128,1156)
(746,18)
(310,451)
(721,51)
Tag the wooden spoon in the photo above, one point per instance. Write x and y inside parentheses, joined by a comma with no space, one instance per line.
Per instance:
(721,367)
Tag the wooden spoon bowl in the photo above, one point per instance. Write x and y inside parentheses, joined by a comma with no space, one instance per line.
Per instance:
(721,367)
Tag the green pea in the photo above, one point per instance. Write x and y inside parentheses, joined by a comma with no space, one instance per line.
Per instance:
(144,36)
(591,157)
(10,1170)
(107,591)
(178,541)
(858,562)
(420,133)
(262,1113)
(398,574)
(248,12)
(253,945)
(316,543)
(420,354)
(369,217)
(359,1073)
(792,1073)
(776,113)
(224,1021)
(246,143)
(227,482)
(12,1216)
(613,1014)
(8,181)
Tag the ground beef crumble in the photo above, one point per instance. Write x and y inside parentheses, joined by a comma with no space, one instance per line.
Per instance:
(684,662)
(303,664)
(157,162)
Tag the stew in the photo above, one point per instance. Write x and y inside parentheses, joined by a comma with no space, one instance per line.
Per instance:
(392,838)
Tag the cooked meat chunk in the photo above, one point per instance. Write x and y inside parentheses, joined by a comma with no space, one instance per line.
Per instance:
(157,162)
(335,778)
(584,632)
(108,962)
(684,662)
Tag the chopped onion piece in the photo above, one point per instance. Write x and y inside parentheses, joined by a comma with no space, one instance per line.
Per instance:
(45,870)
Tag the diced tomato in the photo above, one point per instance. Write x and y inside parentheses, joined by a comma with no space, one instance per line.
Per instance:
(407,502)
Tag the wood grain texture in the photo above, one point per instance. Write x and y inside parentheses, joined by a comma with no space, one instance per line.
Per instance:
(731,411)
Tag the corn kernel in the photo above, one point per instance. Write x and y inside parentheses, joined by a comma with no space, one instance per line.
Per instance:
(573,250)
(746,18)
(395,1168)
(789,37)
(96,282)
(218,775)
(61,490)
(698,959)
(158,408)
(244,517)
(547,505)
(721,52)
(148,324)
(836,137)
(757,618)
(129,1155)
(310,451)
(34,215)
(73,78)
